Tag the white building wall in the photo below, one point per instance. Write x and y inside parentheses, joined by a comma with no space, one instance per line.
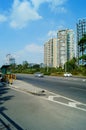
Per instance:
(59,50)
(65,46)
(55,64)
(50,53)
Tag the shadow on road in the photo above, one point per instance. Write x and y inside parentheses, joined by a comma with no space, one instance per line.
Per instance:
(5,120)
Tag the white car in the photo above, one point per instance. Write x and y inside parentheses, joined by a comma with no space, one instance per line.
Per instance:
(67,75)
(38,74)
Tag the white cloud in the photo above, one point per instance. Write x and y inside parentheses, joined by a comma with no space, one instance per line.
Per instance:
(63,10)
(34,48)
(3,18)
(53,4)
(60,9)
(22,13)
(37,3)
(52,33)
(57,2)
(57,6)
(30,49)
(31,52)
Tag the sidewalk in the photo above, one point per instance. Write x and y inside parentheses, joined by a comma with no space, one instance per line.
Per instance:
(23,86)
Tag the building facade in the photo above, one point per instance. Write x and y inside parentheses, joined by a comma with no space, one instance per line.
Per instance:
(65,46)
(50,53)
(81,32)
(57,51)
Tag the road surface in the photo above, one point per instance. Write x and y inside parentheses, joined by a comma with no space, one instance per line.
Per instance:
(23,111)
(74,88)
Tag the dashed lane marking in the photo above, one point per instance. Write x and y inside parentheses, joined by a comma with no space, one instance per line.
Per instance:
(71,103)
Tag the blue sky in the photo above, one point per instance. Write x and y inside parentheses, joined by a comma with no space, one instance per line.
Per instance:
(25,25)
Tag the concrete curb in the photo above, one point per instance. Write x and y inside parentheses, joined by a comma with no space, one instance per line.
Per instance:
(23,86)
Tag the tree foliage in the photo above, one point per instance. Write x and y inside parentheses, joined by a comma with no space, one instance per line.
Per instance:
(82,41)
(82,44)
(71,66)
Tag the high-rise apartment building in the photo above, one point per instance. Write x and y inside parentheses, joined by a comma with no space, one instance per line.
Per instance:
(50,53)
(59,50)
(65,46)
(81,31)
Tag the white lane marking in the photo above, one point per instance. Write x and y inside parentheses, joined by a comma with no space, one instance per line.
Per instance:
(51,98)
(70,103)
(84,80)
(57,95)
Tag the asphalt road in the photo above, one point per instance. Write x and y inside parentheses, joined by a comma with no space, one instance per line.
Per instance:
(71,87)
(23,111)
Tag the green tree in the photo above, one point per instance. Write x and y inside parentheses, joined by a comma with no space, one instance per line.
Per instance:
(82,46)
(71,65)
(25,65)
